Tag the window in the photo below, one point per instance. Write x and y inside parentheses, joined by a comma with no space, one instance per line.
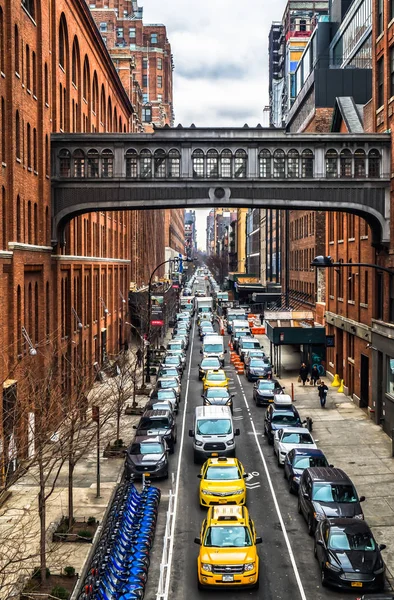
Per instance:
(365,289)
(35,150)
(159,81)
(302,25)
(345,159)
(240,162)
(212,163)
(293,163)
(131,163)
(79,163)
(390,376)
(340,221)
(3,147)
(160,164)
(351,290)
(75,63)
(145,99)
(350,345)
(379,20)
(147,114)
(146,163)
(160,97)
(28,5)
(64,163)
(153,38)
(225,163)
(331,164)
(351,234)
(107,163)
(392,71)
(16,49)
(47,156)
(174,164)
(380,96)
(307,164)
(144,63)
(145,81)
(374,163)
(2,41)
(119,32)
(159,64)
(103,27)
(4,217)
(198,163)
(28,67)
(359,163)
(28,143)
(265,164)
(93,163)
(62,43)
(132,33)
(279,164)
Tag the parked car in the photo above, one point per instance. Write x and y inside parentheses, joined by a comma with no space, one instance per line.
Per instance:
(169,383)
(249,354)
(264,390)
(210,362)
(237,334)
(217,396)
(183,338)
(348,555)
(179,353)
(165,396)
(288,438)
(279,417)
(168,372)
(147,455)
(299,459)
(247,343)
(176,345)
(258,368)
(327,492)
(173,361)
(160,405)
(158,423)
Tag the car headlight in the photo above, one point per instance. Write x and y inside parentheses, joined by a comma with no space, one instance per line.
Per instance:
(199,443)
(249,567)
(296,477)
(230,443)
(205,492)
(161,462)
(229,401)
(379,571)
(319,516)
(360,516)
(238,492)
(206,567)
(333,567)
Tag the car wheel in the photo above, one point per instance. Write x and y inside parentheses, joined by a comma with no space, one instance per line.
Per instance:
(311,527)
(323,578)
(299,507)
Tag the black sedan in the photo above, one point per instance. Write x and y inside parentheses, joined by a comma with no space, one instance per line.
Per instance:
(264,390)
(218,396)
(147,455)
(258,368)
(348,555)
(299,459)
(277,417)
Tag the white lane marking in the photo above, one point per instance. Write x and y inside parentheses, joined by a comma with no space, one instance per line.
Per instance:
(278,512)
(252,486)
(178,475)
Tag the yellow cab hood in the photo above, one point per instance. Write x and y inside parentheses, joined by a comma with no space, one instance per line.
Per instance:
(228,556)
(222,486)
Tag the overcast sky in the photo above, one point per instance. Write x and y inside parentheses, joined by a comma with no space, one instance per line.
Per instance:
(220,50)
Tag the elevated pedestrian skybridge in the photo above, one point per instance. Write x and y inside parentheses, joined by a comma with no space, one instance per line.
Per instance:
(222,167)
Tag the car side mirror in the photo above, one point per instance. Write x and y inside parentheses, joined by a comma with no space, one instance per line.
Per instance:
(382,546)
(199,365)
(361,499)
(225,351)
(202,395)
(200,351)
(259,540)
(197,541)
(191,434)
(237,432)
(246,475)
(199,476)
(306,495)
(332,466)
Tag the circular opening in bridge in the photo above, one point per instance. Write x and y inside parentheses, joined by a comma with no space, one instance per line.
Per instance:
(220,193)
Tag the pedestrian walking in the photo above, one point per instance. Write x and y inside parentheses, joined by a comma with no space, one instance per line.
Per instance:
(315,374)
(139,357)
(303,373)
(323,390)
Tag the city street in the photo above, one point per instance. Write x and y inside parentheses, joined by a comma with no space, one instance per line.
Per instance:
(287,568)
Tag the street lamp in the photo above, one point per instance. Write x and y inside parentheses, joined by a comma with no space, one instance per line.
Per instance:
(327,262)
(147,378)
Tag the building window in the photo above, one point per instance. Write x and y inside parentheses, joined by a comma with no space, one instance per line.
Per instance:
(144,63)
(279,164)
(145,99)
(64,163)
(27,66)
(119,32)
(62,43)
(174,163)
(225,163)
(212,164)
(365,290)
(340,222)
(359,163)
(374,163)
(79,163)
(153,38)
(351,232)
(307,164)
(131,163)
(103,27)
(147,114)
(198,164)
(265,164)
(28,5)
(3,136)
(345,159)
(160,97)
(390,376)
(159,81)
(160,164)
(146,163)
(350,346)
(380,97)
(240,163)
(145,81)
(2,41)
(16,49)
(302,25)
(107,163)
(28,143)
(331,164)
(159,64)
(93,164)
(132,33)
(379,20)
(391,71)
(350,286)
(293,164)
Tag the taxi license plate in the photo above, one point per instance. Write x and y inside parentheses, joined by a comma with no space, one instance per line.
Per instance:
(357,584)
(228,578)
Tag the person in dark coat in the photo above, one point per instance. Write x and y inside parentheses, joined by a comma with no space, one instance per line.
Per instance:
(323,390)
(315,374)
(139,357)
(304,373)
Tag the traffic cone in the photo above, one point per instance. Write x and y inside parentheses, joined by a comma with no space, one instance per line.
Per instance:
(336,381)
(340,389)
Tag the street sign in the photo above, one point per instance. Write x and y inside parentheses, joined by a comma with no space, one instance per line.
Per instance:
(157,323)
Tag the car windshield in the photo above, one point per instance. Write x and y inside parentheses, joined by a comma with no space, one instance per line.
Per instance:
(250,344)
(340,540)
(285,418)
(304,462)
(165,394)
(147,448)
(154,424)
(172,360)
(167,372)
(266,385)
(214,426)
(213,347)
(216,377)
(205,309)
(228,536)
(217,393)
(257,362)
(242,333)
(175,346)
(210,362)
(168,383)
(334,492)
(222,473)
(297,438)
(161,406)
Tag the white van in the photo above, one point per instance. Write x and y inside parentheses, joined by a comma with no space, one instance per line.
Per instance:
(213,345)
(213,432)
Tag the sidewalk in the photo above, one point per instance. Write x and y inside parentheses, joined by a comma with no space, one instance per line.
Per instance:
(352,442)
(20,511)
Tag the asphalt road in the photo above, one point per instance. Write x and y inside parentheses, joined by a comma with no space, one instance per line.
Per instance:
(288,569)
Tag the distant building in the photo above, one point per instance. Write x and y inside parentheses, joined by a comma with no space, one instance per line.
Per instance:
(190,233)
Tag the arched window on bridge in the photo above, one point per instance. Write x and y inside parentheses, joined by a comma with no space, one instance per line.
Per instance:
(107,163)
(279,164)
(374,163)
(93,163)
(331,164)
(293,163)
(64,163)
(359,163)
(345,160)
(79,163)
(265,170)
(131,163)
(146,163)
(174,163)
(160,164)
(198,164)
(307,164)
(226,158)
(212,163)
(240,163)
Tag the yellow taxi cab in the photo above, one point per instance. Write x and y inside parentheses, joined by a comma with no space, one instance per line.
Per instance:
(222,482)
(215,378)
(228,555)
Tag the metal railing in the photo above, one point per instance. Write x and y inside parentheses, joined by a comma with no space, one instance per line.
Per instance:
(164,571)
